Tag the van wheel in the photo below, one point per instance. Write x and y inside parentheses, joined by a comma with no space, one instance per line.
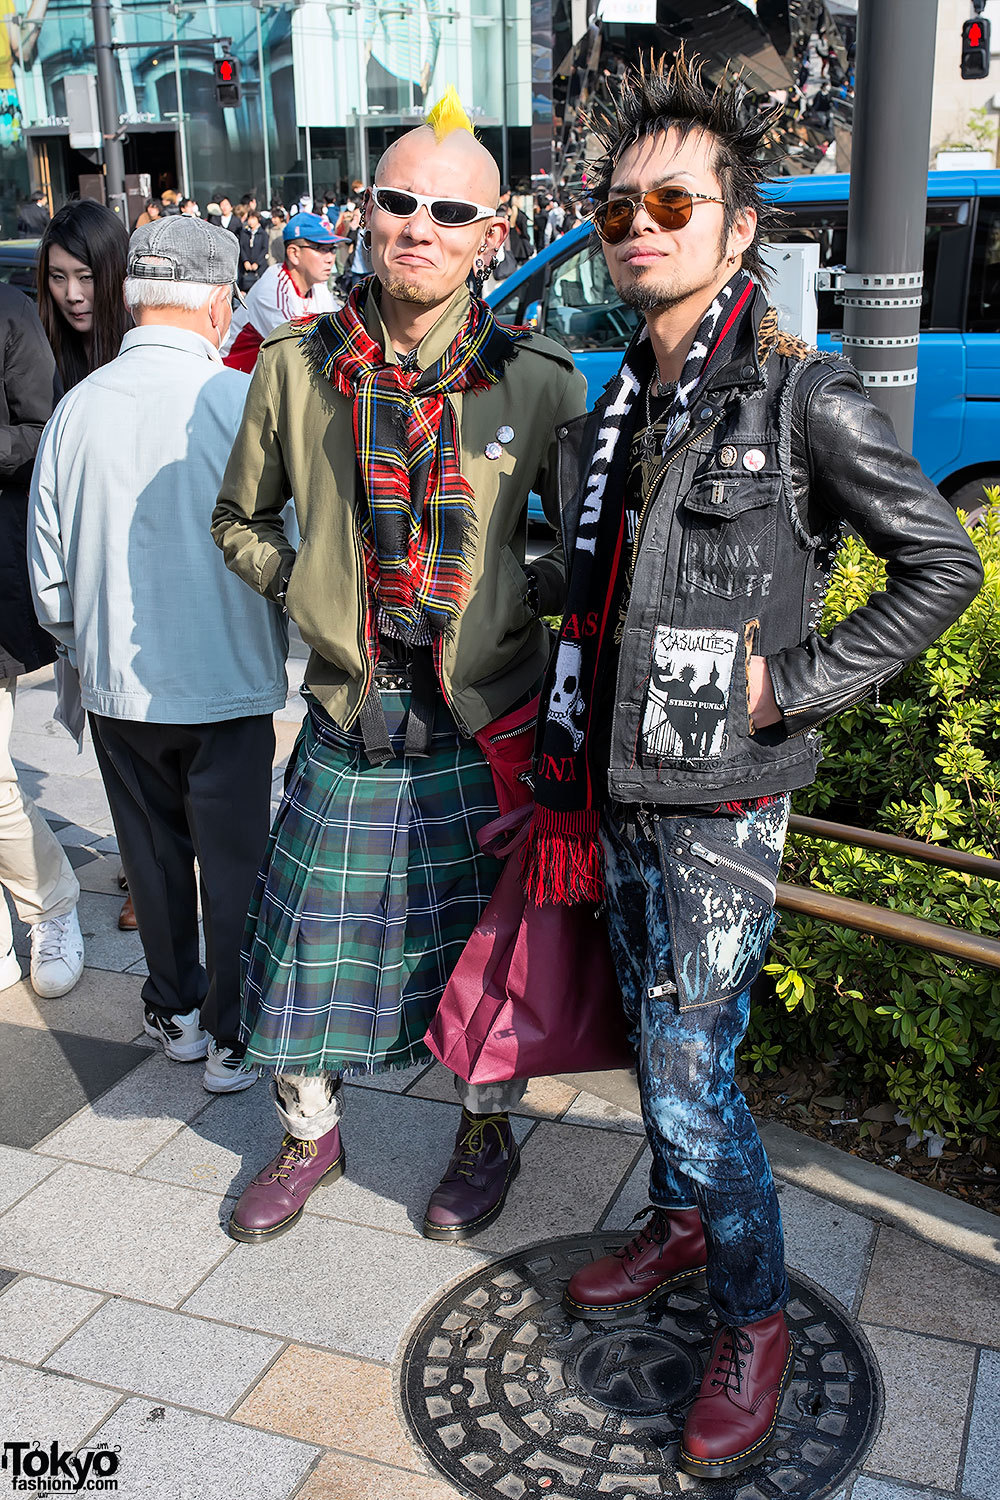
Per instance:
(971,498)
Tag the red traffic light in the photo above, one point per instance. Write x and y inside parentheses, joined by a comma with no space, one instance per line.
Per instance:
(228,89)
(976,49)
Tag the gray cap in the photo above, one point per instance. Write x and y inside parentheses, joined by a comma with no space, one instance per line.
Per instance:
(187,249)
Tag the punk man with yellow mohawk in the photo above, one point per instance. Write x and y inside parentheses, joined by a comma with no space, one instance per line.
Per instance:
(411,428)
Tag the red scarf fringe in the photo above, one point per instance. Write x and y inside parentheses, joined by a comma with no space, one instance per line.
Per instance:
(563,861)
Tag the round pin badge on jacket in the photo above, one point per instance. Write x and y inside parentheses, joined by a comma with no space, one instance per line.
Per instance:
(505,434)
(753,459)
(727,456)
(493,450)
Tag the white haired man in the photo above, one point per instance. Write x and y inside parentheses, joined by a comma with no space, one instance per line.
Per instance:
(181,667)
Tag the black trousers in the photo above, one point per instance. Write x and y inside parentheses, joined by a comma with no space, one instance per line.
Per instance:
(179,792)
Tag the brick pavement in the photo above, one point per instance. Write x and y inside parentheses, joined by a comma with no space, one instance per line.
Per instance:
(128,1317)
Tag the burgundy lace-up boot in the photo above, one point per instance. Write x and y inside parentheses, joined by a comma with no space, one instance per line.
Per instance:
(735,1411)
(275,1199)
(473,1190)
(669,1249)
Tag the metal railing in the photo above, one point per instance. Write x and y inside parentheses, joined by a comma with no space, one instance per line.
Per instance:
(879,921)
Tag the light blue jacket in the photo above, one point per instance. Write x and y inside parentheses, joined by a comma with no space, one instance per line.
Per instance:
(123,568)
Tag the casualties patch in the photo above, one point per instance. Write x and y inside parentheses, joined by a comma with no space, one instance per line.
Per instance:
(688,695)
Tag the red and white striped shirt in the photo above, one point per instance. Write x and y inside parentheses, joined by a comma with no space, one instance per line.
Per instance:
(271,301)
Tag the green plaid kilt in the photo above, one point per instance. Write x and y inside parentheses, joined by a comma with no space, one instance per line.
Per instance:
(369,890)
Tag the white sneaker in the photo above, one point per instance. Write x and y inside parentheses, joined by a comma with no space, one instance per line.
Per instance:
(56,955)
(10,969)
(181,1037)
(225,1071)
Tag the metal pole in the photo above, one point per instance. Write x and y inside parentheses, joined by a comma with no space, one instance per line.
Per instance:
(181,127)
(888,202)
(263,106)
(362,101)
(107,110)
(504,143)
(309,163)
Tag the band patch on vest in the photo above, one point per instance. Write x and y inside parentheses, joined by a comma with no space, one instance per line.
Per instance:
(688,695)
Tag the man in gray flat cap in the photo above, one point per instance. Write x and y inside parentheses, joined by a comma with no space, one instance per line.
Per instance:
(181,666)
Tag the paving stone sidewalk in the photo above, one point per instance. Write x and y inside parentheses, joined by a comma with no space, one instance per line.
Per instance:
(129,1318)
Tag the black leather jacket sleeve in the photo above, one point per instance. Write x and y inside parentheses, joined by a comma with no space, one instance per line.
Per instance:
(858,473)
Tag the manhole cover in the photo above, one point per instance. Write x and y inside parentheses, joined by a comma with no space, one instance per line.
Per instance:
(512,1400)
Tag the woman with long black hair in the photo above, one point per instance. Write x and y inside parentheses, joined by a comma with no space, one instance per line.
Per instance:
(81,270)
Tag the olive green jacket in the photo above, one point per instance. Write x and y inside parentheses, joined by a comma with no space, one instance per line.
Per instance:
(297,439)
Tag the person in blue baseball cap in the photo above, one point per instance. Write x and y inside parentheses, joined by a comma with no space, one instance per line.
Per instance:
(297,288)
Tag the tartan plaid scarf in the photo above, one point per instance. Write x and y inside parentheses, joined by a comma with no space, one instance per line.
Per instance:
(418,526)
(562,859)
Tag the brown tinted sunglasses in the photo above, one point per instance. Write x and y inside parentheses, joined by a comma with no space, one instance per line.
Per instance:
(669,207)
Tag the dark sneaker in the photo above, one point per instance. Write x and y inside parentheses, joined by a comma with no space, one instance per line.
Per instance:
(472,1192)
(669,1249)
(181,1037)
(225,1070)
(733,1418)
(275,1199)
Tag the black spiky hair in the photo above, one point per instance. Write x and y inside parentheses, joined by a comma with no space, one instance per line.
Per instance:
(660,94)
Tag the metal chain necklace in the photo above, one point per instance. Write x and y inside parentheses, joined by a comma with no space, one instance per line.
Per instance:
(647,443)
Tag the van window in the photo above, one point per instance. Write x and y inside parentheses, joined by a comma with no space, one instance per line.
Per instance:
(945,254)
(582,309)
(984,282)
(509,309)
(20,274)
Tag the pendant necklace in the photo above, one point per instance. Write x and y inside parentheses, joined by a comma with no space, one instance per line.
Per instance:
(676,426)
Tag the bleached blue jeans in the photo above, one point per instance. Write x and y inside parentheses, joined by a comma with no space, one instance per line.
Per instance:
(690,907)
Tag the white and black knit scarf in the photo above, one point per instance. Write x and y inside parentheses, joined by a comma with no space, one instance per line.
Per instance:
(562,860)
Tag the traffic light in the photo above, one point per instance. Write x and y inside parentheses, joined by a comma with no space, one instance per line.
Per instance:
(976,48)
(228,89)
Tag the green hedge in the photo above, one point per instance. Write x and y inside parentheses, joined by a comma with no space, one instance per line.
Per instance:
(899,1022)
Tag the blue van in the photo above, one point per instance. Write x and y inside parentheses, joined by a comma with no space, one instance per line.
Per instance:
(566,293)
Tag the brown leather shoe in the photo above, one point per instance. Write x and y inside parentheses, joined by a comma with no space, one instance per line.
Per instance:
(735,1412)
(473,1190)
(274,1201)
(669,1249)
(126,917)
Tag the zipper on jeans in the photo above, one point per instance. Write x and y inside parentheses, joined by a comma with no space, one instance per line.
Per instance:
(712,858)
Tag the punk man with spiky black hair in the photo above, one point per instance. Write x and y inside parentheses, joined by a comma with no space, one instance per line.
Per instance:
(716,474)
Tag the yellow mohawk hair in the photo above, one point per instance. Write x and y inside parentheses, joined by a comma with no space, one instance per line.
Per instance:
(448,115)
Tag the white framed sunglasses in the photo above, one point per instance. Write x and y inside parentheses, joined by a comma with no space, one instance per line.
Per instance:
(449,213)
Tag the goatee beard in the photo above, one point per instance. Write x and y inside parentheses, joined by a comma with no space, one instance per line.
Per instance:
(646,298)
(405,291)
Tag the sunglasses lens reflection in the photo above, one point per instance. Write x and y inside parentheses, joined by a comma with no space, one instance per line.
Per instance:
(451,212)
(401,205)
(670,208)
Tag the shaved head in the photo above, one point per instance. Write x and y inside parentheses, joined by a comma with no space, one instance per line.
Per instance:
(417,260)
(461,166)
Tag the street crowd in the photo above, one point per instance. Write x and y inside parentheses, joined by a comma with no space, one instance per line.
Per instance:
(185,469)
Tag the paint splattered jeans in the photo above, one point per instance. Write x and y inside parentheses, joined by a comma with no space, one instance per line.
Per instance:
(690,908)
